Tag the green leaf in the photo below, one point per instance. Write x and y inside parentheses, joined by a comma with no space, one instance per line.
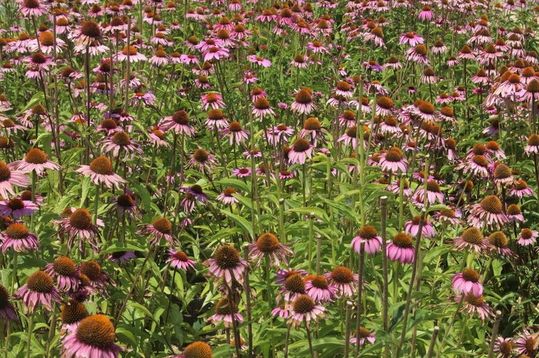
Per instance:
(246,225)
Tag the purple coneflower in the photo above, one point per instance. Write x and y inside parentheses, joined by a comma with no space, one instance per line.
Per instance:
(196,349)
(36,160)
(268,245)
(202,160)
(467,282)
(393,160)
(120,143)
(227,264)
(499,244)
(471,239)
(236,133)
(78,223)
(17,207)
(100,172)
(94,337)
(19,238)
(160,228)
(92,279)
(305,309)
(303,103)
(227,196)
(39,289)
(344,281)
(179,260)
(226,311)
(487,213)
(368,235)
(319,289)
(475,305)
(363,336)
(526,343)
(401,248)
(7,310)
(71,313)
(427,229)
(64,271)
(178,123)
(504,347)
(300,151)
(527,237)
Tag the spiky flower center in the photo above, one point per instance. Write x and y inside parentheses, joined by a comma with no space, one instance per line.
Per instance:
(312,124)
(403,240)
(303,304)
(473,236)
(476,301)
(73,312)
(343,275)
(344,86)
(229,191)
(36,156)
(492,204)
(225,307)
(267,243)
(498,239)
(200,155)
(304,96)
(262,103)
(163,225)
(301,145)
(235,126)
(320,282)
(41,282)
(521,184)
(385,102)
(394,155)
(181,256)
(513,209)
(469,274)
(533,140)
(526,233)
(226,257)
(125,201)
(101,165)
(294,283)
(480,160)
(5,172)
(198,350)
(4,297)
(367,232)
(17,231)
(363,332)
(64,266)
(181,117)
(91,29)
(91,269)
(96,331)
(121,138)
(81,219)
(502,171)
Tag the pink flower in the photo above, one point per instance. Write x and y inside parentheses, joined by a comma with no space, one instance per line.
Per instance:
(38,290)
(401,248)
(467,282)
(19,238)
(36,160)
(93,337)
(227,264)
(372,243)
(100,172)
(363,336)
(179,260)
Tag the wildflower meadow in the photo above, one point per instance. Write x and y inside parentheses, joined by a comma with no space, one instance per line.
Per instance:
(269,178)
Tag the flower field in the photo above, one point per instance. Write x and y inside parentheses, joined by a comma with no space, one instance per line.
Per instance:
(256,178)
